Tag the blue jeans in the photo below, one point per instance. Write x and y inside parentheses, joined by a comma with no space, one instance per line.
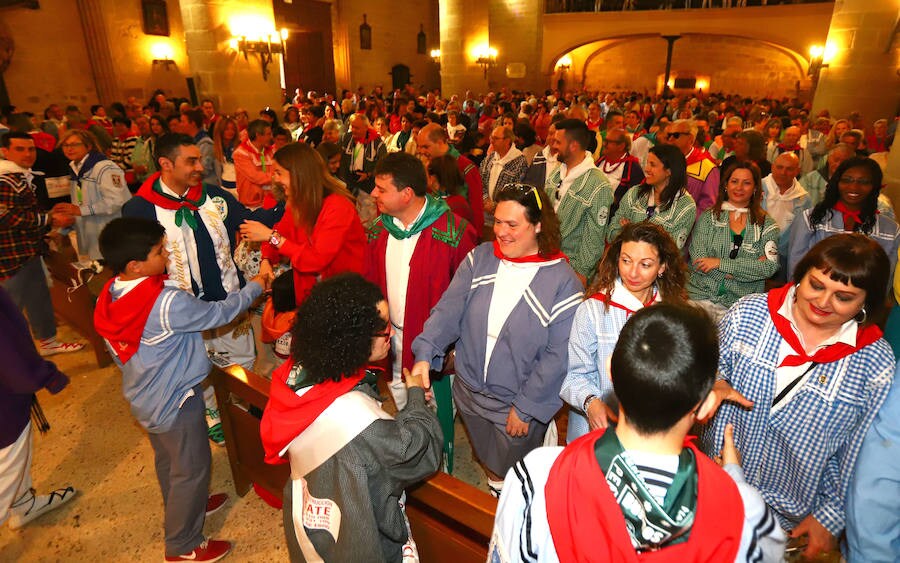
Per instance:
(29,291)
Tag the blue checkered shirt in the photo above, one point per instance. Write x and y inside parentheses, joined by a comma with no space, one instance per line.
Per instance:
(801,457)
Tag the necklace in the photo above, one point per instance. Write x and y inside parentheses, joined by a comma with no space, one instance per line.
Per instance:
(615,165)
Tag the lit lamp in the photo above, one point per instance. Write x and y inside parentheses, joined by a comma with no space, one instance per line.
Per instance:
(162,55)
(436,55)
(816,61)
(270,44)
(564,63)
(486,56)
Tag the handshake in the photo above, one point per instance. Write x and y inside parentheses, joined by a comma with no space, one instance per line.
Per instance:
(63,215)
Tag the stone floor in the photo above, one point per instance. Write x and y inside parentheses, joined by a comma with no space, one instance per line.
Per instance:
(97,447)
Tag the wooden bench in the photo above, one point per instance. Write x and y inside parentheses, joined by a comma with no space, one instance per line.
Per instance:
(451,520)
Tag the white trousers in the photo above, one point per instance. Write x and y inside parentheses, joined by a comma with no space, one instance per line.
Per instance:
(15,472)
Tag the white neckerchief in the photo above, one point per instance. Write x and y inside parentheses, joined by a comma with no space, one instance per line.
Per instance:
(785,374)
(568,177)
(76,166)
(781,205)
(727,206)
(625,299)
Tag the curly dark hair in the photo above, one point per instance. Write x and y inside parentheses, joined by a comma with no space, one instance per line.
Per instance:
(332,336)
(670,284)
(833,195)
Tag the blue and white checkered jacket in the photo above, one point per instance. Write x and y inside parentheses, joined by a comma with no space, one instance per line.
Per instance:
(801,457)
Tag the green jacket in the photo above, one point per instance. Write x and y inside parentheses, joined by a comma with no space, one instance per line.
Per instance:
(677,220)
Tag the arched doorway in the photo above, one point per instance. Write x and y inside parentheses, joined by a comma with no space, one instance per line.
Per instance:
(400,76)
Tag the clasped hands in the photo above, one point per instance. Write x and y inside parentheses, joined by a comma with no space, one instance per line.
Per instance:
(63,215)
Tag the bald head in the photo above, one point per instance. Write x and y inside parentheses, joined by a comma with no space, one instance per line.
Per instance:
(432,141)
(785,170)
(791,136)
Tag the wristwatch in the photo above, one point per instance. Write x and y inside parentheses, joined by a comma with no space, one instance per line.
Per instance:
(275,239)
(590,399)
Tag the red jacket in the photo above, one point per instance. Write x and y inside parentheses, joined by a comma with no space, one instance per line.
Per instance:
(253,170)
(432,265)
(335,245)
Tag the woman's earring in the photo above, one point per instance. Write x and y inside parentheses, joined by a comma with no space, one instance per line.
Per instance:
(659,275)
(864,316)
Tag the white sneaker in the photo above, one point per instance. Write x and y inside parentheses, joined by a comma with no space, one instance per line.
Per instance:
(34,506)
(54,346)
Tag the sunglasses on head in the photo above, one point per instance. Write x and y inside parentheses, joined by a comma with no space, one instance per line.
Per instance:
(676,135)
(736,241)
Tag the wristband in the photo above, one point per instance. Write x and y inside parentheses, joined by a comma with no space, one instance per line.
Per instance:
(587,402)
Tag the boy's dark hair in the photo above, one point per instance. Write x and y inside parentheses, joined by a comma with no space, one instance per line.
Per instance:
(94,108)
(122,121)
(169,145)
(332,336)
(664,363)
(6,140)
(328,150)
(405,171)
(125,239)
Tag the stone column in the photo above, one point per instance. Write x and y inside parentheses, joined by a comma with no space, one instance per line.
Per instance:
(464,26)
(94,30)
(220,73)
(516,30)
(862,74)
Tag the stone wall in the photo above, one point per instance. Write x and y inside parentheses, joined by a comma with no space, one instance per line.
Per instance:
(726,64)
(45,71)
(395,26)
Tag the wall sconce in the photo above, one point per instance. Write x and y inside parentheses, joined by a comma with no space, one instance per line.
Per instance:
(486,56)
(270,44)
(817,55)
(162,55)
(436,55)
(564,63)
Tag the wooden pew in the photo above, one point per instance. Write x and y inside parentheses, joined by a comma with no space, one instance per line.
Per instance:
(451,520)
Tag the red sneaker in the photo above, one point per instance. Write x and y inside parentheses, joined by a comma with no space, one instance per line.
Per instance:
(215,502)
(208,551)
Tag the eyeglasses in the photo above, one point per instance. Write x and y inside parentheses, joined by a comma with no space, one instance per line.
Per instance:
(676,135)
(71,145)
(736,241)
(857,181)
(385,334)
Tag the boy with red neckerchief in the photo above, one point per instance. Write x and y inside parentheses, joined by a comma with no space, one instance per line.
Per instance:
(641,491)
(153,329)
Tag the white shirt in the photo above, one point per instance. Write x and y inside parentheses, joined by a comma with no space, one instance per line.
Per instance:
(513,278)
(396,267)
(497,166)
(781,205)
(786,374)
(552,163)
(569,176)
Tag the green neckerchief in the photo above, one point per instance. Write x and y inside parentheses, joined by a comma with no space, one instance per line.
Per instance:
(184,213)
(650,525)
(299,378)
(434,208)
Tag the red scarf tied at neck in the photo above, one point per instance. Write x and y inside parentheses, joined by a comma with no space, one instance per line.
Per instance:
(865,335)
(528,259)
(121,322)
(287,415)
(848,214)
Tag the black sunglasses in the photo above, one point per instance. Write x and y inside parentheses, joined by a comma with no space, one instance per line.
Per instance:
(651,211)
(736,241)
(676,135)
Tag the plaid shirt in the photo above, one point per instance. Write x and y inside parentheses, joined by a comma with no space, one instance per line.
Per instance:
(677,220)
(801,457)
(746,273)
(22,224)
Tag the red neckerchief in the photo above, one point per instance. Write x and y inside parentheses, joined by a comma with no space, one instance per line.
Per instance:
(848,215)
(784,148)
(530,258)
(865,335)
(122,321)
(587,525)
(192,199)
(605,298)
(287,415)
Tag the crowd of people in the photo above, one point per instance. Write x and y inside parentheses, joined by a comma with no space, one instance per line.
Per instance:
(507,258)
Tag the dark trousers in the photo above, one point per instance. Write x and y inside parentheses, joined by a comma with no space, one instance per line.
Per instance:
(183,463)
(28,290)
